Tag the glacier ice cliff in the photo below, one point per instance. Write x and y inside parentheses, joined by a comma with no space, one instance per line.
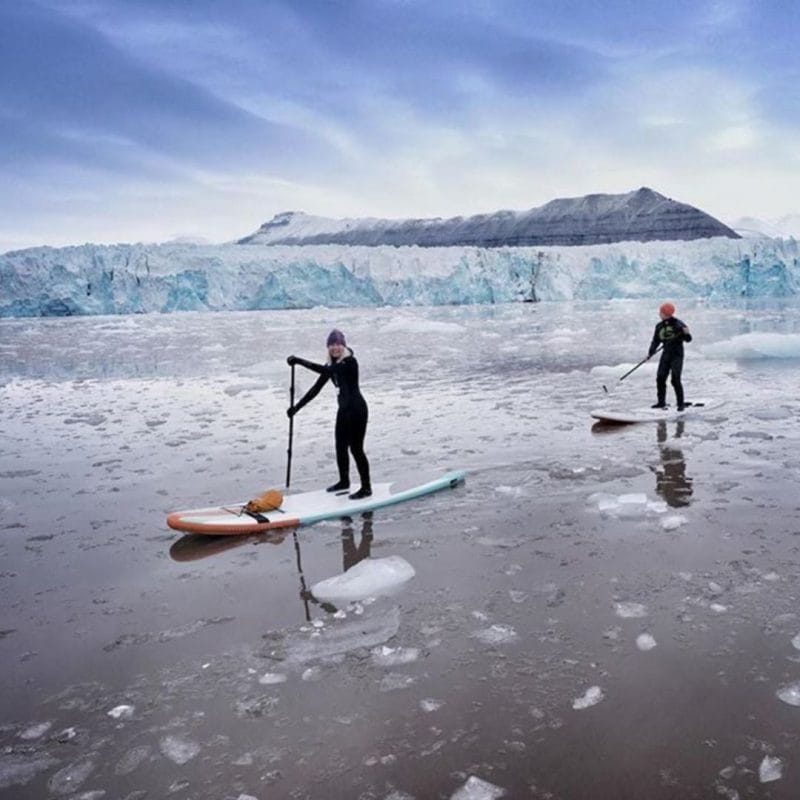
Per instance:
(126,279)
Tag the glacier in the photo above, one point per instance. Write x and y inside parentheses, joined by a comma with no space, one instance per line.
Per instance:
(144,278)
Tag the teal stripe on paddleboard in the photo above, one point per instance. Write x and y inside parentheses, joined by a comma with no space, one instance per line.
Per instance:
(448,480)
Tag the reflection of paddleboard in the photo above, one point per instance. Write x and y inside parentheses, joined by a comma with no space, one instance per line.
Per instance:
(302,509)
(646,414)
(192,547)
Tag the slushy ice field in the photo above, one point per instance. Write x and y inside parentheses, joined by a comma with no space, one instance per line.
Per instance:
(598,612)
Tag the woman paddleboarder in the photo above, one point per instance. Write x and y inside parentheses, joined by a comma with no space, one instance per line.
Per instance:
(351,418)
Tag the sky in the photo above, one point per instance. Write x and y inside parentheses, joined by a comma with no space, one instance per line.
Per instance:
(151,120)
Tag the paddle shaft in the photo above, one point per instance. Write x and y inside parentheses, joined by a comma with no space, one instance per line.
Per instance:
(291,432)
(304,593)
(633,369)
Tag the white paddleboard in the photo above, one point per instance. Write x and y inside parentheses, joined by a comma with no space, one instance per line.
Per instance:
(304,508)
(647,414)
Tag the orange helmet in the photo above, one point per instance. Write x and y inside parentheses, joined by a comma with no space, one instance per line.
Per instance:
(667,309)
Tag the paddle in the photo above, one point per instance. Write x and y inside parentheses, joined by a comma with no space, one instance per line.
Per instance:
(633,368)
(291,432)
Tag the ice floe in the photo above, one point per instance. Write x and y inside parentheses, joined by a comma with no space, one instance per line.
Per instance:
(385,656)
(629,610)
(35,731)
(591,697)
(478,789)
(770,769)
(644,641)
(272,677)
(121,712)
(790,694)
(178,749)
(370,577)
(368,630)
(496,634)
(626,506)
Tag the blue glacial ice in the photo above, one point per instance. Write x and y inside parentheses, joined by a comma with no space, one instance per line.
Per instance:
(138,278)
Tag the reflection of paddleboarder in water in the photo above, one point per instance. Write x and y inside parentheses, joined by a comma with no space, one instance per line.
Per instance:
(351,555)
(672,482)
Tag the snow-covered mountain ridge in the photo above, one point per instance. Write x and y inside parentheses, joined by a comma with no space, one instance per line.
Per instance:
(641,216)
(126,279)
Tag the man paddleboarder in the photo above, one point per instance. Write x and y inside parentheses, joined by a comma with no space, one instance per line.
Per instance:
(669,335)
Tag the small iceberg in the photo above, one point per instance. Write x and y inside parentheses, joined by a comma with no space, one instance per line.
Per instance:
(770,769)
(369,578)
(592,696)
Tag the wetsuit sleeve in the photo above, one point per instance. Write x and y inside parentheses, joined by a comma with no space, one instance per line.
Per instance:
(313,391)
(685,335)
(320,369)
(654,343)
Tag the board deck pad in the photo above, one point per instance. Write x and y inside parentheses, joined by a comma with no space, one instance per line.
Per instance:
(304,508)
(647,414)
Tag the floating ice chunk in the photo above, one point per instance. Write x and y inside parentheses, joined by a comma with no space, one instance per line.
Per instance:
(718,608)
(405,325)
(496,634)
(398,795)
(178,750)
(634,499)
(796,642)
(727,772)
(272,677)
(790,694)
(370,577)
(343,637)
(511,491)
(312,674)
(770,769)
(35,731)
(517,596)
(132,759)
(608,504)
(18,769)
(69,778)
(429,704)
(386,656)
(66,735)
(395,680)
(625,505)
(592,696)
(246,797)
(644,641)
(121,712)
(478,789)
(673,521)
(630,610)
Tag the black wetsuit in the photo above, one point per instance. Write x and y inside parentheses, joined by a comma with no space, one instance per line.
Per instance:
(351,418)
(670,333)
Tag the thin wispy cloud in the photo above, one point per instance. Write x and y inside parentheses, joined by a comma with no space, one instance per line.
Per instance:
(132,119)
